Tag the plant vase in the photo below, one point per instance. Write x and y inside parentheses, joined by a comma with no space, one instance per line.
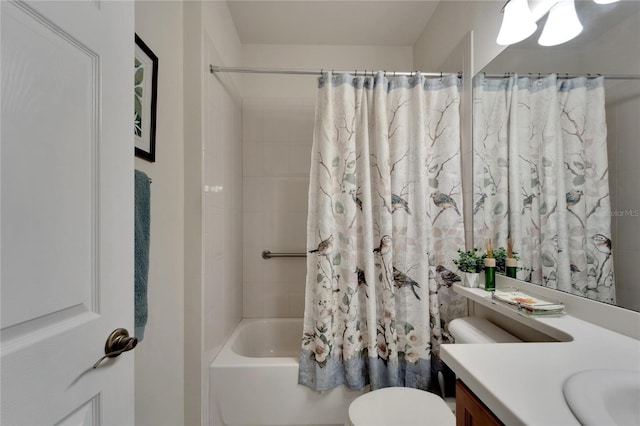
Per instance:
(471,279)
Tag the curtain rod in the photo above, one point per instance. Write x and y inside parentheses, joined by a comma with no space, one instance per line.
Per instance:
(214,69)
(560,75)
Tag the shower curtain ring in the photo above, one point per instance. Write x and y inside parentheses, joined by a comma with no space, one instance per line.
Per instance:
(394,73)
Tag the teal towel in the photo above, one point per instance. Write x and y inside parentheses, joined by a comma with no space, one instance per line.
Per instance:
(142,226)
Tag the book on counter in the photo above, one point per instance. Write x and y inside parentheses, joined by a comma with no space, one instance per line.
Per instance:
(529,304)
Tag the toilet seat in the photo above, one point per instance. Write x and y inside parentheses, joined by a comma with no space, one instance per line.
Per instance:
(400,406)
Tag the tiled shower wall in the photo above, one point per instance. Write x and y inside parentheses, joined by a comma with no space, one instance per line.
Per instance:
(277,136)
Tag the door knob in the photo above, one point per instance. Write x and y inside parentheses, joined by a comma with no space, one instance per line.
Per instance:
(117,343)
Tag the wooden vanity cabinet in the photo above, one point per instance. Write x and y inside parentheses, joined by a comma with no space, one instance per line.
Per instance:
(470,411)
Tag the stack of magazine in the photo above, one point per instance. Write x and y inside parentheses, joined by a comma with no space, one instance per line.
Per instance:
(528,304)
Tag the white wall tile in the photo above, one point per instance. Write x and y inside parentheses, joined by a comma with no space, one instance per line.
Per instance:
(292,193)
(277,305)
(287,159)
(252,198)
(216,239)
(252,230)
(252,159)
(253,302)
(252,264)
(216,307)
(285,231)
(297,304)
(251,121)
(287,274)
(278,121)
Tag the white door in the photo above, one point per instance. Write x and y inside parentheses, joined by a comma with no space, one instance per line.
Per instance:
(66,175)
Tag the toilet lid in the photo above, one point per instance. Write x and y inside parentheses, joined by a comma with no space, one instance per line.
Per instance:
(400,406)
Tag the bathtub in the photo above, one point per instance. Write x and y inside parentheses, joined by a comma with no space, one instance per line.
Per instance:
(254,380)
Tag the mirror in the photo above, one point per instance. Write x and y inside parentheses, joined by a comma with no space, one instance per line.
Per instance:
(595,259)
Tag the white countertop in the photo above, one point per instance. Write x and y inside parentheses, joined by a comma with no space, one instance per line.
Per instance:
(522,382)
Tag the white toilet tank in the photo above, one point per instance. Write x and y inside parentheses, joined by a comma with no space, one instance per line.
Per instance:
(479,330)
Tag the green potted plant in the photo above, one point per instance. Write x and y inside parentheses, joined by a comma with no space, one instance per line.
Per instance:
(500,255)
(470,263)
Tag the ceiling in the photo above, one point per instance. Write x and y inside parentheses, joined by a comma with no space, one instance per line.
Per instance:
(361,22)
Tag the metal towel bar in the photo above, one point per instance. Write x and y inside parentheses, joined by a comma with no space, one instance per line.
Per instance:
(268,255)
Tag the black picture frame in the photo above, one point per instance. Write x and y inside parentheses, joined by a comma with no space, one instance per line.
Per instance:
(145,100)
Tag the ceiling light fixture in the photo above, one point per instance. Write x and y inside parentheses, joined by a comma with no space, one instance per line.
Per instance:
(562,24)
(517,23)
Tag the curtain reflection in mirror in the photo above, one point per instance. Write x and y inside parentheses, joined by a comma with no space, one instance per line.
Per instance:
(541,179)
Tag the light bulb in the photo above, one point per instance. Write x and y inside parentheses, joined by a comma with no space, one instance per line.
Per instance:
(562,24)
(517,23)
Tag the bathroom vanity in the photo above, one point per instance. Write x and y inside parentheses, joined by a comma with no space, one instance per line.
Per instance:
(470,410)
(522,383)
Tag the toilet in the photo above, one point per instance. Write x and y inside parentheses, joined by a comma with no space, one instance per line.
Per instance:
(479,330)
(399,406)
(414,407)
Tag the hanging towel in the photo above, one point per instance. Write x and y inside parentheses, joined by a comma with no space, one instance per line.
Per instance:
(142,222)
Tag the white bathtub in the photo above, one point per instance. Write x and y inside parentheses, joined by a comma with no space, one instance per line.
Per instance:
(254,380)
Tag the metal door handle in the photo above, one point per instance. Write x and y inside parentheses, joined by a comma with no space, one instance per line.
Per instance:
(117,343)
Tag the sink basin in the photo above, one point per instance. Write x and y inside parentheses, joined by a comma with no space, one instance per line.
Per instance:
(604,397)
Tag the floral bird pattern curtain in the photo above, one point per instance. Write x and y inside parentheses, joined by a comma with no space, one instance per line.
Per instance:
(541,177)
(384,222)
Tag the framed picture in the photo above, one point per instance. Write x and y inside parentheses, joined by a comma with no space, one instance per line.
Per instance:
(145,101)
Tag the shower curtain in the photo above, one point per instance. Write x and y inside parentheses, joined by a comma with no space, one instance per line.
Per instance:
(385,203)
(541,177)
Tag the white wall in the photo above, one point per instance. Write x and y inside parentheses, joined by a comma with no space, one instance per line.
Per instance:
(159,357)
(449,24)
(278,117)
(213,302)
